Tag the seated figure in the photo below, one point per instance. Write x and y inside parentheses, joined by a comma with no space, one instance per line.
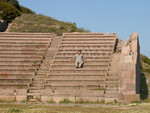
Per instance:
(78,59)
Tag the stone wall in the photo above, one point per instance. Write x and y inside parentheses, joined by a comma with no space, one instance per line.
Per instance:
(12,95)
(3,25)
(129,70)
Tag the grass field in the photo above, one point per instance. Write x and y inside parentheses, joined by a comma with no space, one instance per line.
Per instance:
(76,108)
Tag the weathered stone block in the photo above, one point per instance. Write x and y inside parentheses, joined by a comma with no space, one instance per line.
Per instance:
(21,98)
(8,98)
(128,98)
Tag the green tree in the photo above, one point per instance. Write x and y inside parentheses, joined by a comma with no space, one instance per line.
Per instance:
(8,12)
(26,10)
(15,3)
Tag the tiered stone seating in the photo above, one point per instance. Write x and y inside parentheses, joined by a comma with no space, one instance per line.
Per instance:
(87,83)
(20,57)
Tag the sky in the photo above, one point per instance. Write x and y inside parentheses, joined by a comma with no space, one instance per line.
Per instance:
(122,16)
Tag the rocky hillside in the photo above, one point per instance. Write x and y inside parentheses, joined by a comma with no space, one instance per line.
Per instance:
(41,23)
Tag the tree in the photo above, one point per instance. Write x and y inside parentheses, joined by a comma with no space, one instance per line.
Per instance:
(15,3)
(8,12)
(26,10)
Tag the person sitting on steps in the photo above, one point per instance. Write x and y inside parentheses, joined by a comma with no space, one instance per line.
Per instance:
(78,59)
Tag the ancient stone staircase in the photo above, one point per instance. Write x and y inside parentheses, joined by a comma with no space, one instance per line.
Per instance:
(43,73)
(111,93)
(30,62)
(87,83)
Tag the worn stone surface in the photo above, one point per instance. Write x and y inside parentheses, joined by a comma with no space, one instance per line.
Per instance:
(129,70)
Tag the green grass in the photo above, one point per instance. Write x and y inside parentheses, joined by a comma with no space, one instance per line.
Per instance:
(132,108)
(44,24)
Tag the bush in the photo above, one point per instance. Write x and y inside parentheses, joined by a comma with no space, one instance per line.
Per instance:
(8,12)
(26,10)
(65,101)
(146,60)
(15,3)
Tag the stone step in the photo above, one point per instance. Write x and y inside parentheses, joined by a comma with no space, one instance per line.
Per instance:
(24,42)
(112,89)
(13,86)
(112,82)
(14,80)
(42,75)
(24,39)
(111,92)
(72,87)
(111,95)
(21,68)
(72,77)
(35,88)
(33,94)
(71,70)
(112,78)
(112,85)
(87,39)
(80,69)
(76,82)
(81,34)
(22,53)
(84,50)
(37,85)
(16,75)
(84,66)
(34,91)
(86,54)
(17,71)
(94,58)
(26,59)
(21,56)
(86,45)
(77,93)
(38,81)
(23,49)
(10,66)
(89,36)
(86,42)
(81,47)
(19,63)
(24,45)
(86,62)
(77,74)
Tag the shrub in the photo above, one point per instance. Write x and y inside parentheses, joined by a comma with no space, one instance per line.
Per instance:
(146,60)
(65,101)
(26,10)
(8,12)
(15,110)
(15,3)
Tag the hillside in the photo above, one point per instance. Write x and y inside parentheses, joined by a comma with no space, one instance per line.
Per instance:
(145,77)
(41,23)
